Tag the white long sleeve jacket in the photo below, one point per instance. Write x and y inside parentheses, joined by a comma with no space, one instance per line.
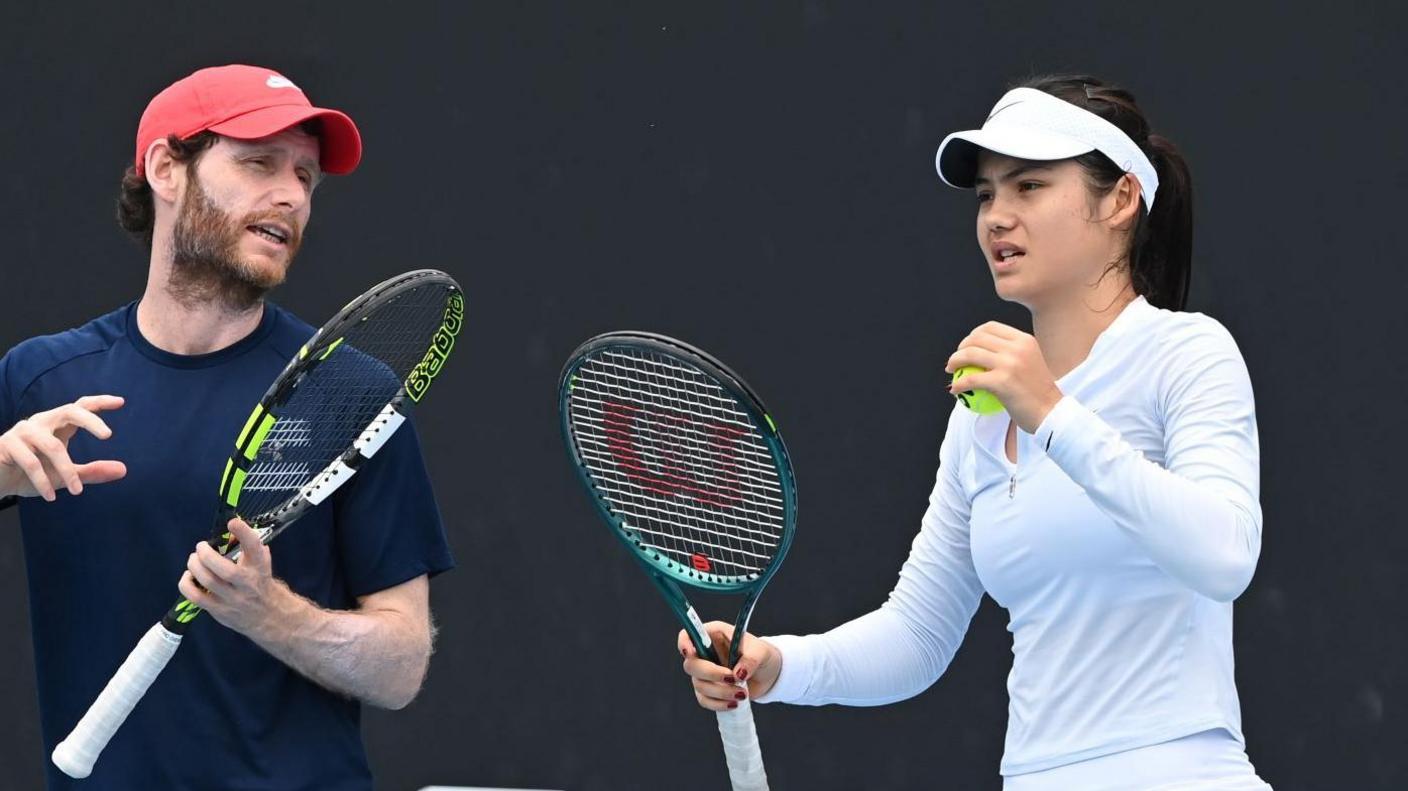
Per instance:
(1116,543)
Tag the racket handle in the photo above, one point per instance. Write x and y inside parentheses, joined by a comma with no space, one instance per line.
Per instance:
(745,758)
(77,754)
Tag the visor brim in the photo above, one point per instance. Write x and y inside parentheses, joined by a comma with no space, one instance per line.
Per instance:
(957,159)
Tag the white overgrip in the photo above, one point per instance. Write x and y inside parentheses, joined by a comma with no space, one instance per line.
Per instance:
(77,754)
(745,758)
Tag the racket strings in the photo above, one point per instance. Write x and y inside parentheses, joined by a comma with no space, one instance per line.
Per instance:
(682,463)
(342,395)
(702,458)
(695,463)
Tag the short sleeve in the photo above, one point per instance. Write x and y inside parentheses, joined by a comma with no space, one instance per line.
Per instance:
(7,410)
(7,396)
(388,525)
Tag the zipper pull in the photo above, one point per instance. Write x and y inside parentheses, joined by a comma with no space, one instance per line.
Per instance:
(1012,487)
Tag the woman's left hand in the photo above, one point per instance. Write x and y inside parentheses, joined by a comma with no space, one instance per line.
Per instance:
(1016,372)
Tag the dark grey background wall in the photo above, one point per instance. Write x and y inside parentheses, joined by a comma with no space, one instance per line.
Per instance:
(759,182)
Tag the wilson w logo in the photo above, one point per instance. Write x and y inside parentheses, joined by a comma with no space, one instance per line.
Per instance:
(674,454)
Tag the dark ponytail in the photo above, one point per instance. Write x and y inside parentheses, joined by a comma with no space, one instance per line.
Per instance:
(1161,249)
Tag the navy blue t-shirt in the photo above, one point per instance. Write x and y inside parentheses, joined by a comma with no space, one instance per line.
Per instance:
(103,566)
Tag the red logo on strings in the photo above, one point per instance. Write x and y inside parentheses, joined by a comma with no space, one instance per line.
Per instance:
(699,562)
(674,454)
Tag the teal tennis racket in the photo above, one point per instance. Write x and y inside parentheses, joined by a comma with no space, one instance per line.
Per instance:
(685,464)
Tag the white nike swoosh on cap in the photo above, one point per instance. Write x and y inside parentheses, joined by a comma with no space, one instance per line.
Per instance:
(275,81)
(997,110)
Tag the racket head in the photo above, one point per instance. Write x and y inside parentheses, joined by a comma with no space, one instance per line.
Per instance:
(682,459)
(346,391)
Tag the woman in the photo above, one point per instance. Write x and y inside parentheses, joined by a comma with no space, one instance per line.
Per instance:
(1111,509)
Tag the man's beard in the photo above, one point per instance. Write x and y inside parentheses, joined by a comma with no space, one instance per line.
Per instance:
(206,264)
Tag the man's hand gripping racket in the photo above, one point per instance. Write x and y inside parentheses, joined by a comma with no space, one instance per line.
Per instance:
(685,464)
(333,407)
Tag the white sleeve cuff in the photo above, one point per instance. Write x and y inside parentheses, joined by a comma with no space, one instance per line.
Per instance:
(1060,424)
(798,661)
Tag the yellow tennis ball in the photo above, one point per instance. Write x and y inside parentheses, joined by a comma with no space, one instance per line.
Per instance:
(980,401)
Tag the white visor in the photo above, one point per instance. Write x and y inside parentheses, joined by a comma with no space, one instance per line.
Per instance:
(1030,124)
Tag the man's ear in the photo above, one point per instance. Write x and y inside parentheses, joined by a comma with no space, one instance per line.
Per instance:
(163,172)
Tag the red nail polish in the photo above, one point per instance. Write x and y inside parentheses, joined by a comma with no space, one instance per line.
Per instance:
(733,704)
(730,680)
(743,674)
(740,694)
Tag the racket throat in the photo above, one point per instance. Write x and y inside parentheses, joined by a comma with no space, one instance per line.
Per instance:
(740,628)
(703,643)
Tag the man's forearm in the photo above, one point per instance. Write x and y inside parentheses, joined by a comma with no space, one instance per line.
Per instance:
(375,655)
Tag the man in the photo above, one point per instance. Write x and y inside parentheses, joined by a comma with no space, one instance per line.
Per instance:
(115,434)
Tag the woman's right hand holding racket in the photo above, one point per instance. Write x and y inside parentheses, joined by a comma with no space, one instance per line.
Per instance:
(34,456)
(716,687)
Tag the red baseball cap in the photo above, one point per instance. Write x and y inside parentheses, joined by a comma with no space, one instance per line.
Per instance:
(245,102)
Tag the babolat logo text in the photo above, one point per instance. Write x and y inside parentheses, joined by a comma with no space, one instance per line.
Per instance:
(440,345)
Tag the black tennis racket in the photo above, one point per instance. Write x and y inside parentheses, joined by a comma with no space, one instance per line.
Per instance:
(685,464)
(333,407)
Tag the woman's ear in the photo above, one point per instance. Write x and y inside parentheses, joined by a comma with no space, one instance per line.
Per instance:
(1126,205)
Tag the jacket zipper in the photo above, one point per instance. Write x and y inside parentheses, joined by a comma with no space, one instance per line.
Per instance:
(1016,465)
